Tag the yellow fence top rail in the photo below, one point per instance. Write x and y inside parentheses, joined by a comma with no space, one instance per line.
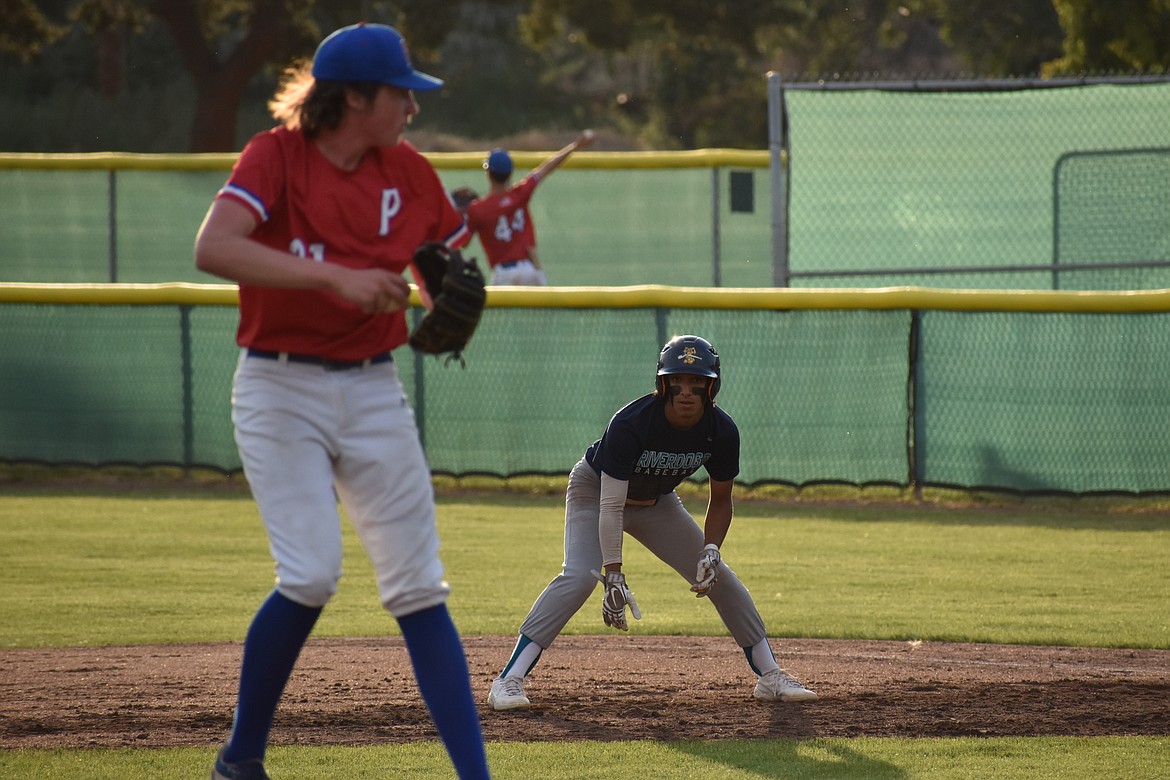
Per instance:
(104,161)
(652,296)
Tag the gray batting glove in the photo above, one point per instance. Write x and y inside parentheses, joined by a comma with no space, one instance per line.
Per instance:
(707,571)
(617,597)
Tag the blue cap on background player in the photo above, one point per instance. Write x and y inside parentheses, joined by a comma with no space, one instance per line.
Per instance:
(499,162)
(369,52)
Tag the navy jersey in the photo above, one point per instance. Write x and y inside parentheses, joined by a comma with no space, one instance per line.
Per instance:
(640,446)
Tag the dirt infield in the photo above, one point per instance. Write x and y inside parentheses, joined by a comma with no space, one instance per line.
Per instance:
(361,691)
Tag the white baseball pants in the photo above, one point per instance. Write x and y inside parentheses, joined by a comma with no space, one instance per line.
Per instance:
(303,433)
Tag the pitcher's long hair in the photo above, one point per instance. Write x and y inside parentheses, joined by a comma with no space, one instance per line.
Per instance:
(302,102)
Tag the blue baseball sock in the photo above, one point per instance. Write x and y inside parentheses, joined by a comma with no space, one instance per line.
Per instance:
(274,641)
(444,680)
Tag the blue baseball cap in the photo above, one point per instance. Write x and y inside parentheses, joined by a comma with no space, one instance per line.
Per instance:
(499,162)
(369,52)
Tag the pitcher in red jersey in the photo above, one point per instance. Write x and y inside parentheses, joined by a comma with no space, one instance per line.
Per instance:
(317,222)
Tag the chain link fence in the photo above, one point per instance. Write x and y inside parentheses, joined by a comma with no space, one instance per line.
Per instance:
(1011,184)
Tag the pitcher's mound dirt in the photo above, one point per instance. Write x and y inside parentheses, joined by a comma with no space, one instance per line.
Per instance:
(614,687)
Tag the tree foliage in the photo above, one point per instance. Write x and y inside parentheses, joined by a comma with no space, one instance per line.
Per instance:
(994,38)
(224,44)
(1119,35)
(707,61)
(673,73)
(26,31)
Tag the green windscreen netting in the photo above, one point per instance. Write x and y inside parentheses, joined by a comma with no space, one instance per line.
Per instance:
(594,227)
(1112,206)
(1038,401)
(544,383)
(920,181)
(1019,401)
(885,188)
(896,185)
(133,226)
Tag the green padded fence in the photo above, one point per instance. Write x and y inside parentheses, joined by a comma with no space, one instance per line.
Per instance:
(1029,392)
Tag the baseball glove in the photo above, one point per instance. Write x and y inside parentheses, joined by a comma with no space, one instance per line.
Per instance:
(463,196)
(456,288)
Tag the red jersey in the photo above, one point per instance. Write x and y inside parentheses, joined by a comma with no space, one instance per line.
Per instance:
(374,216)
(503,223)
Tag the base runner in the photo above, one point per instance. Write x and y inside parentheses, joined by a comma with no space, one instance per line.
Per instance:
(626,484)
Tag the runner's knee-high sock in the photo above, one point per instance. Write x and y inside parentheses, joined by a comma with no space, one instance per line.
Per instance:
(524,657)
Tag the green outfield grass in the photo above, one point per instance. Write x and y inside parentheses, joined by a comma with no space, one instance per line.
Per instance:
(1060,758)
(114,569)
(100,568)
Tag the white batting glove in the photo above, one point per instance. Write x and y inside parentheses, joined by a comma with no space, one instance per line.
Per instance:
(707,571)
(617,597)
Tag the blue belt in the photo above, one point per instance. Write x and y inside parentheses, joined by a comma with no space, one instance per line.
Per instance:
(325,363)
(513,263)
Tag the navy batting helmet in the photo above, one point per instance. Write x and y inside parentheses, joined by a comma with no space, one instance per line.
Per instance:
(688,355)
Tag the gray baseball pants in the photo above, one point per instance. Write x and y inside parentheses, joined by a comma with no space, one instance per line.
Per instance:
(666,529)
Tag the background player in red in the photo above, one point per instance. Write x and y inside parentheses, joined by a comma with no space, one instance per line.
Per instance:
(317,223)
(626,483)
(501,219)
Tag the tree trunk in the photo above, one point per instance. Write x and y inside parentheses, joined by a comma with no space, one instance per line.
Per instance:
(217,105)
(111,69)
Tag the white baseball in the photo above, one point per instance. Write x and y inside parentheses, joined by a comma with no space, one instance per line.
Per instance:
(588,135)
